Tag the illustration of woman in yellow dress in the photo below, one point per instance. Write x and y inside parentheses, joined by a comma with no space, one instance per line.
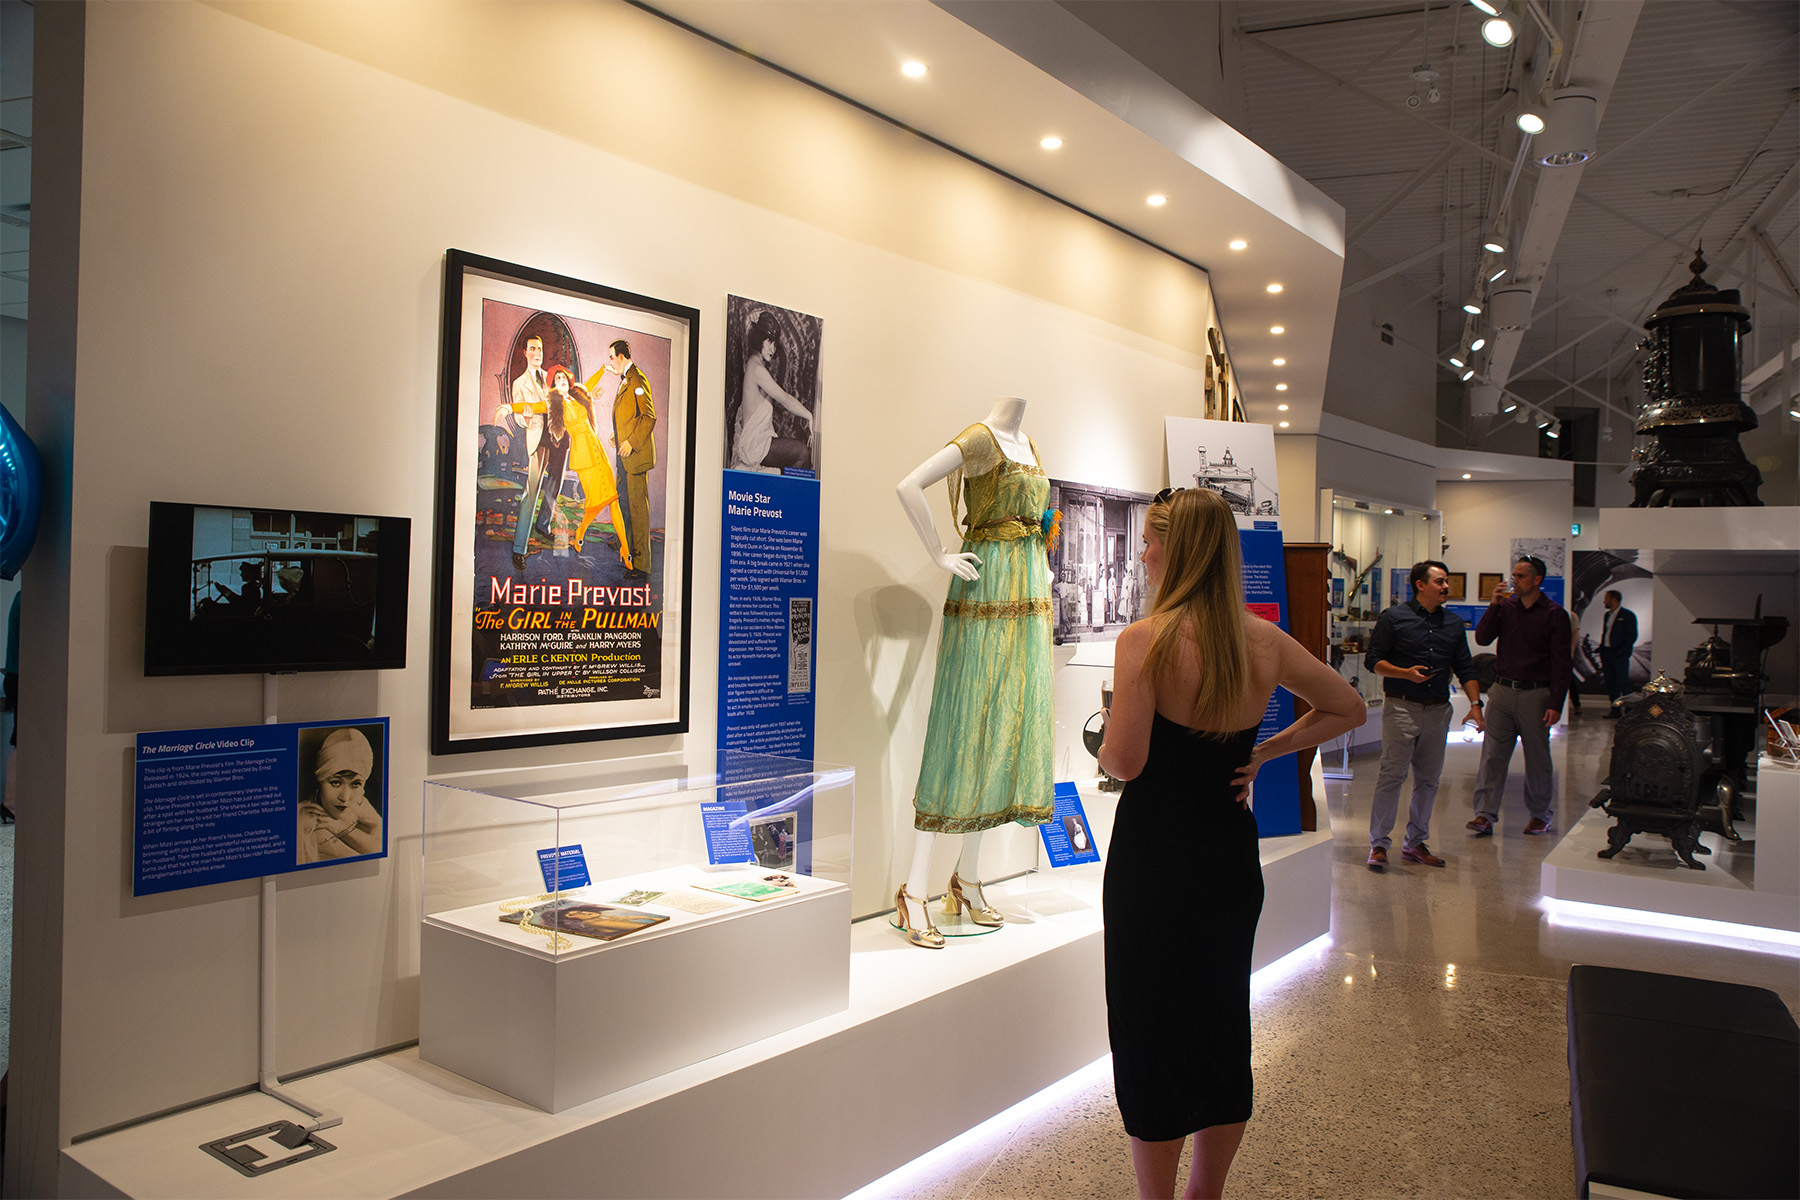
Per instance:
(587,458)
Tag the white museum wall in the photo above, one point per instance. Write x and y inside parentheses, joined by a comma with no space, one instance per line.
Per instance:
(263,224)
(1366,463)
(1481,519)
(1297,469)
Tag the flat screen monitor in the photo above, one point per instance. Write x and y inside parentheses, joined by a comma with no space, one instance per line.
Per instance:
(255,590)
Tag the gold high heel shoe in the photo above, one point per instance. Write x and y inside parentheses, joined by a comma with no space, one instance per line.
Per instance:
(928,937)
(955,901)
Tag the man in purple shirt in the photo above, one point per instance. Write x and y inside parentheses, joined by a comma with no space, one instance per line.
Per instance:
(1526,699)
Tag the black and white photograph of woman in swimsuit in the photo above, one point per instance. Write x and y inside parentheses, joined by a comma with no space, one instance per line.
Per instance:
(772,392)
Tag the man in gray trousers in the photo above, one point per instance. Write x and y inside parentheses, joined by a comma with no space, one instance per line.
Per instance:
(1415,648)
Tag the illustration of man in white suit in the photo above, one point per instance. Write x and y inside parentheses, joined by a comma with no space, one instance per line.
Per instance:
(529,409)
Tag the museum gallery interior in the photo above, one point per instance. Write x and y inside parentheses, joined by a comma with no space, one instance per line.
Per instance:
(566,558)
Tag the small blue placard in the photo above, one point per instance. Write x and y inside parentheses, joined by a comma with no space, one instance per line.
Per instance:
(1265,525)
(564,867)
(1068,839)
(727,832)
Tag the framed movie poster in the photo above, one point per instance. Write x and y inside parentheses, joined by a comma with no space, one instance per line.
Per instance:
(565,499)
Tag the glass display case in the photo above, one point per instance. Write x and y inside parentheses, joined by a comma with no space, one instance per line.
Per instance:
(1373,548)
(699,899)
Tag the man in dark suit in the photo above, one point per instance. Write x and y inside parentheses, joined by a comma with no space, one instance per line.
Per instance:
(1617,637)
(634,428)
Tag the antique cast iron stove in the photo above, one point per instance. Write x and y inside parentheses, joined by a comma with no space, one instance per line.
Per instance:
(1693,404)
(1655,784)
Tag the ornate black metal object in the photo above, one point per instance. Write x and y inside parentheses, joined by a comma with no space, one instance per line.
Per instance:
(1693,403)
(1655,784)
(1724,681)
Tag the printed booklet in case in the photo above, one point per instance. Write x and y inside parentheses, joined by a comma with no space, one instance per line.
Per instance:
(769,887)
(586,919)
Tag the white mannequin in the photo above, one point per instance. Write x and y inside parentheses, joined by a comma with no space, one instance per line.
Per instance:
(1004,422)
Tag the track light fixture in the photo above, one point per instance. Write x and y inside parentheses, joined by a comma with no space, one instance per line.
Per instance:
(1473,308)
(1485,7)
(1497,31)
(1477,344)
(1509,404)
(1468,374)
(1531,118)
(1495,244)
(1569,129)
(1496,275)
(1456,362)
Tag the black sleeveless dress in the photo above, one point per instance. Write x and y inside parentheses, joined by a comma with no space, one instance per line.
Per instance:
(1184,889)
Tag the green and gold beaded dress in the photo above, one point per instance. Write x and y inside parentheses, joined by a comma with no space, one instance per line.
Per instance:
(988,741)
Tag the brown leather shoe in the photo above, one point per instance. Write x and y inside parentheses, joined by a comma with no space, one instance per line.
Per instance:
(1377,858)
(1539,825)
(1421,854)
(1481,826)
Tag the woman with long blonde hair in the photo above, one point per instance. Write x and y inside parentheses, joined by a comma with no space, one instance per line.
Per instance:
(1183,874)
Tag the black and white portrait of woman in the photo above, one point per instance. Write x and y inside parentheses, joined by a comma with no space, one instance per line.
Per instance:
(772,401)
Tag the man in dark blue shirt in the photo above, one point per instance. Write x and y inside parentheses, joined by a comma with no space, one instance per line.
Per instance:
(1415,648)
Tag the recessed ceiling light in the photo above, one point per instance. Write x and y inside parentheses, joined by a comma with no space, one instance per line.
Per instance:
(1280,362)
(1278,329)
(1281,387)
(1466,475)
(1238,243)
(1477,344)
(1388,511)
(1281,408)
(913,69)
(1284,424)
(1051,143)
(1156,200)
(1274,288)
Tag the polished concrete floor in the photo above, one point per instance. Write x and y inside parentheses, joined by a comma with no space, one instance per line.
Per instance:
(1423,1053)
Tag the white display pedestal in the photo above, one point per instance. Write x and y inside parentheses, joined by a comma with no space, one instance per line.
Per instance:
(1647,876)
(933,1043)
(560,1031)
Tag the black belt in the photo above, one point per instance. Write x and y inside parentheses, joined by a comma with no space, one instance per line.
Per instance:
(1428,702)
(1523,685)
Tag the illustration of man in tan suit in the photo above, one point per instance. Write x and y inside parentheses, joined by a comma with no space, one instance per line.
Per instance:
(634,428)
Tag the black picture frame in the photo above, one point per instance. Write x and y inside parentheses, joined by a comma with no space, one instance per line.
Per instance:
(586,610)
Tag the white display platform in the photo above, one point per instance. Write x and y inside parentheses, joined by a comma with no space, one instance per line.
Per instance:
(556,1030)
(932,1044)
(1647,876)
(1765,528)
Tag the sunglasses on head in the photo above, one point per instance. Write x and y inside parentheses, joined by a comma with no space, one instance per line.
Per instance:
(1162,497)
